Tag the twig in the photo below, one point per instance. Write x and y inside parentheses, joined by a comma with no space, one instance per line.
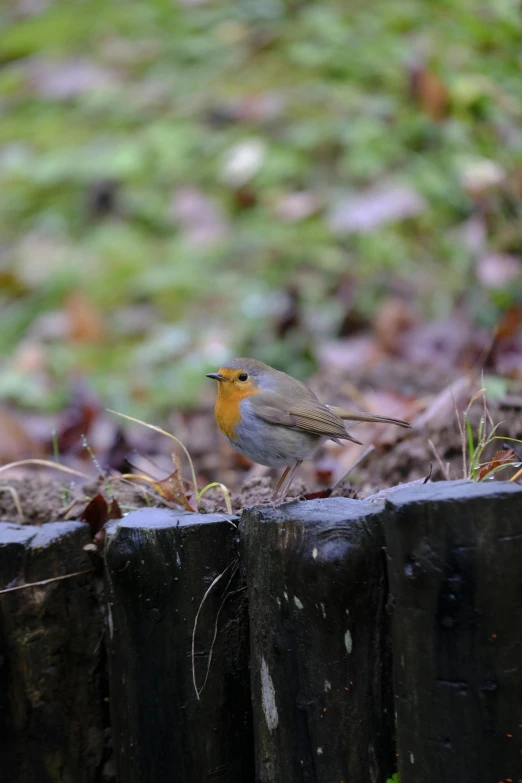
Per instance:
(462,436)
(168,435)
(226,597)
(209,589)
(16,500)
(47,464)
(368,450)
(46,581)
(440,462)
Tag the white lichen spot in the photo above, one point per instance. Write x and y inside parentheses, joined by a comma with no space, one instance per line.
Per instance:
(347,611)
(412,758)
(285,595)
(268,697)
(178,560)
(298,603)
(314,552)
(319,751)
(327,686)
(278,601)
(109,621)
(323,609)
(348,642)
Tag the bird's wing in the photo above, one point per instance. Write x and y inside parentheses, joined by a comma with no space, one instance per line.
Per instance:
(309,416)
(372,417)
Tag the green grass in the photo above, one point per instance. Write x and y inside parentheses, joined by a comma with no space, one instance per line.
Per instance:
(347,120)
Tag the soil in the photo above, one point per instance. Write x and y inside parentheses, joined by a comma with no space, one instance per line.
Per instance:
(399,456)
(410,458)
(40,500)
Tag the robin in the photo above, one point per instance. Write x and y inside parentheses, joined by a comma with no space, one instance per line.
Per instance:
(275,420)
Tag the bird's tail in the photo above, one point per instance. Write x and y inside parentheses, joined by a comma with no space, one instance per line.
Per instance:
(370,417)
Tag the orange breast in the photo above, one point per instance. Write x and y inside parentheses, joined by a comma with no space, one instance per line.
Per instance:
(227,411)
(227,414)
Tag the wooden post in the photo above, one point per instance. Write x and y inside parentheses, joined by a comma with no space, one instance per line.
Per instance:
(160,564)
(51,698)
(320,657)
(455,565)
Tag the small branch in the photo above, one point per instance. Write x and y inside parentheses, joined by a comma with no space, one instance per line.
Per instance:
(46,581)
(16,500)
(368,450)
(440,462)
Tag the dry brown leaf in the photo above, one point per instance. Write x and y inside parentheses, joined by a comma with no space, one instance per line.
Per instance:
(429,91)
(394,317)
(15,441)
(501,458)
(171,488)
(85,321)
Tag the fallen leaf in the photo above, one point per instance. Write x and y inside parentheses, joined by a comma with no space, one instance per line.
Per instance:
(85,320)
(257,108)
(76,420)
(293,207)
(95,514)
(441,410)
(354,353)
(30,7)
(480,175)
(242,162)
(455,342)
(428,89)
(498,270)
(68,78)
(507,357)
(509,324)
(15,440)
(500,458)
(199,217)
(322,493)
(473,234)
(394,318)
(171,488)
(366,211)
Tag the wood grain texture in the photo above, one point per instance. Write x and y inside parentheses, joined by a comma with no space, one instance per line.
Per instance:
(455,565)
(52,710)
(320,654)
(159,566)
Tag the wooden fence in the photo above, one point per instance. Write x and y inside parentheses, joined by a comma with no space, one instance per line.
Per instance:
(329,641)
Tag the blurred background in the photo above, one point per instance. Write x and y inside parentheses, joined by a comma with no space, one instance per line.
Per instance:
(326,186)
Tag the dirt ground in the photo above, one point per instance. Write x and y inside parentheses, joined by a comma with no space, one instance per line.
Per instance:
(433,447)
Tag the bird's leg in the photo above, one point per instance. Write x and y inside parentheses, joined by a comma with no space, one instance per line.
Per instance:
(290,472)
(279,483)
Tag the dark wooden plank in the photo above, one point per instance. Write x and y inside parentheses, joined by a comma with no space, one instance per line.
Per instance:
(320,654)
(51,697)
(455,564)
(159,566)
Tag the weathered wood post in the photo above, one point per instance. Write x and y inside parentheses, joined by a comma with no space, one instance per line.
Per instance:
(320,655)
(455,565)
(160,564)
(51,698)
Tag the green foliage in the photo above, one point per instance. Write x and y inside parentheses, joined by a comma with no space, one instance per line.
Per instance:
(394,778)
(475,446)
(152,97)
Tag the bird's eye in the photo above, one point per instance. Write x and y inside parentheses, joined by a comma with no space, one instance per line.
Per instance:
(242,377)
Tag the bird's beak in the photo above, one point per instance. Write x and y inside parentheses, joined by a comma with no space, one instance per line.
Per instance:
(215,376)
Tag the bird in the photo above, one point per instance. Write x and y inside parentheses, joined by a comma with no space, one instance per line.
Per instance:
(275,420)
